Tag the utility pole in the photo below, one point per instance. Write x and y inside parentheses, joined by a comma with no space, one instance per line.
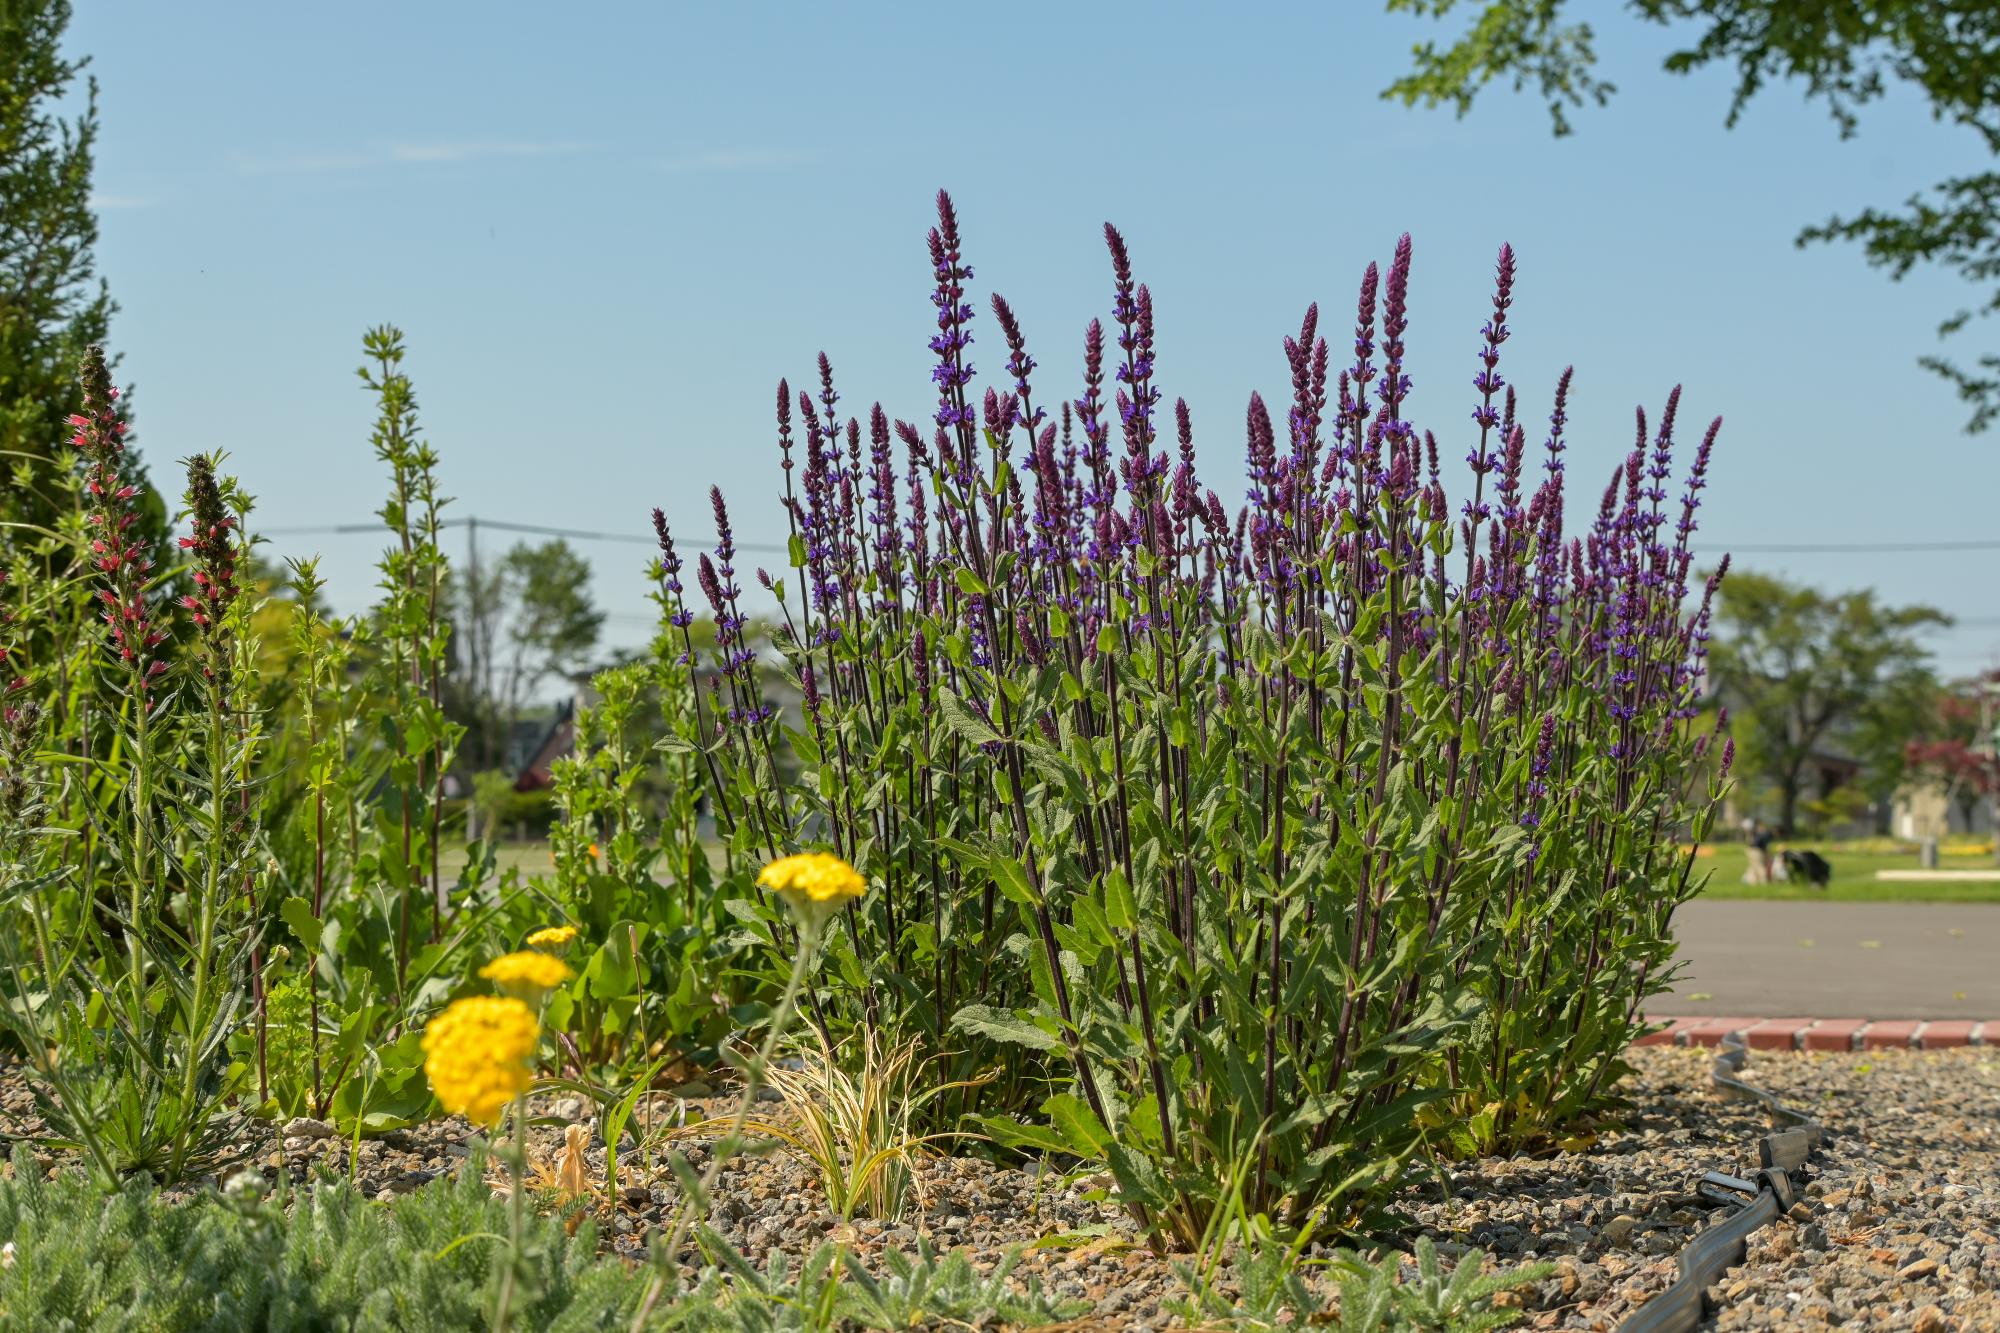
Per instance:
(475,629)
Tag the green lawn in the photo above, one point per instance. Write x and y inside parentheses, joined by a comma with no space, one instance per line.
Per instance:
(531,857)
(1853,875)
(1853,878)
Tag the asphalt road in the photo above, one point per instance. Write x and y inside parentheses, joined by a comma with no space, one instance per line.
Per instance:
(1837,960)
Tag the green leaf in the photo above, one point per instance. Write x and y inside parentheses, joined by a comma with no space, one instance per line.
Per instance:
(960,717)
(1091,921)
(1013,1134)
(1012,878)
(1001,1025)
(1120,907)
(298,914)
(1078,1125)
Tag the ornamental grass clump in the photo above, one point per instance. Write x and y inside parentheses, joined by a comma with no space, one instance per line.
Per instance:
(1273,832)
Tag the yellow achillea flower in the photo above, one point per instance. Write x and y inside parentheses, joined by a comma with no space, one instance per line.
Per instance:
(527,973)
(812,882)
(476,1055)
(551,937)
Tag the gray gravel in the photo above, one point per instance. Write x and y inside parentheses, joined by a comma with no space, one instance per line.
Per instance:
(1899,1226)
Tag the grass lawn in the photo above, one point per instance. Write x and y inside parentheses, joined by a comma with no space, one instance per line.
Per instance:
(532,858)
(1853,878)
(1853,875)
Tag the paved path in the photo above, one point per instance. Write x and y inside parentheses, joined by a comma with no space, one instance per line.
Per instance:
(1837,960)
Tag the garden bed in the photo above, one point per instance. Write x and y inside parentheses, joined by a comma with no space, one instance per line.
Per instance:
(1899,1227)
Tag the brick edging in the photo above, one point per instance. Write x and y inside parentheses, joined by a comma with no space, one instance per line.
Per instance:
(1824,1034)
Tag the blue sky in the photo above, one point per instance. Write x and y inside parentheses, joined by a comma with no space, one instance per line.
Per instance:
(608,229)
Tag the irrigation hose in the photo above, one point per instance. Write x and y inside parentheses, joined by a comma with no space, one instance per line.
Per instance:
(1703,1260)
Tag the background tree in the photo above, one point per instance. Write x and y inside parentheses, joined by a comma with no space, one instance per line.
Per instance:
(1956,752)
(520,621)
(52,303)
(1807,671)
(1847,52)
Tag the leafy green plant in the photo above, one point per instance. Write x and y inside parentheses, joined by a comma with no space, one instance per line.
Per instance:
(418,739)
(131,858)
(1375,1299)
(267,1256)
(1270,1289)
(917,1290)
(261,1254)
(669,975)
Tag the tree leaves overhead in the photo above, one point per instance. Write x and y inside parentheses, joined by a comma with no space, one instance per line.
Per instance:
(1847,54)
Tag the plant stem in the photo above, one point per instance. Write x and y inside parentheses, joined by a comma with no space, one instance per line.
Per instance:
(517,1158)
(809,931)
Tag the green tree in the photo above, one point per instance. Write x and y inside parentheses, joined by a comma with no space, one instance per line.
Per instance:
(52,303)
(520,621)
(1809,671)
(1847,52)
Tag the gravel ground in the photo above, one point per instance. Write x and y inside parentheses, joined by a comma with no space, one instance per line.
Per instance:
(1898,1226)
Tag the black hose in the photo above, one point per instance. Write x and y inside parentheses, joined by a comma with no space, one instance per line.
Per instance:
(1703,1260)
(1681,1307)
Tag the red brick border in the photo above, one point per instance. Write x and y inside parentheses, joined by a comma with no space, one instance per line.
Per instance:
(1948,1032)
(1711,1031)
(1825,1034)
(1893,1035)
(1840,1034)
(1777,1034)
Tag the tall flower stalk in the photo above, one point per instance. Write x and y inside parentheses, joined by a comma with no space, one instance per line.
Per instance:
(123,566)
(414,635)
(227,745)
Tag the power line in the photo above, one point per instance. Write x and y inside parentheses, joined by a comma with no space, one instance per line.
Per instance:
(503,525)
(640,539)
(1871,548)
(596,535)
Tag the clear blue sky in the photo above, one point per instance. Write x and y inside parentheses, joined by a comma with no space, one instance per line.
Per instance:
(608,229)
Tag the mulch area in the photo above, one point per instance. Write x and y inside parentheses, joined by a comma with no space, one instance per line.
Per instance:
(1898,1226)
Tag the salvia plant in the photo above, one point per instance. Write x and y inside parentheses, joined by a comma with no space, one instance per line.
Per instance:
(1292,831)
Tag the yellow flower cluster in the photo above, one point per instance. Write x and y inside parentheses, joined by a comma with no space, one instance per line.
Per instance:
(476,1055)
(812,881)
(551,937)
(527,971)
